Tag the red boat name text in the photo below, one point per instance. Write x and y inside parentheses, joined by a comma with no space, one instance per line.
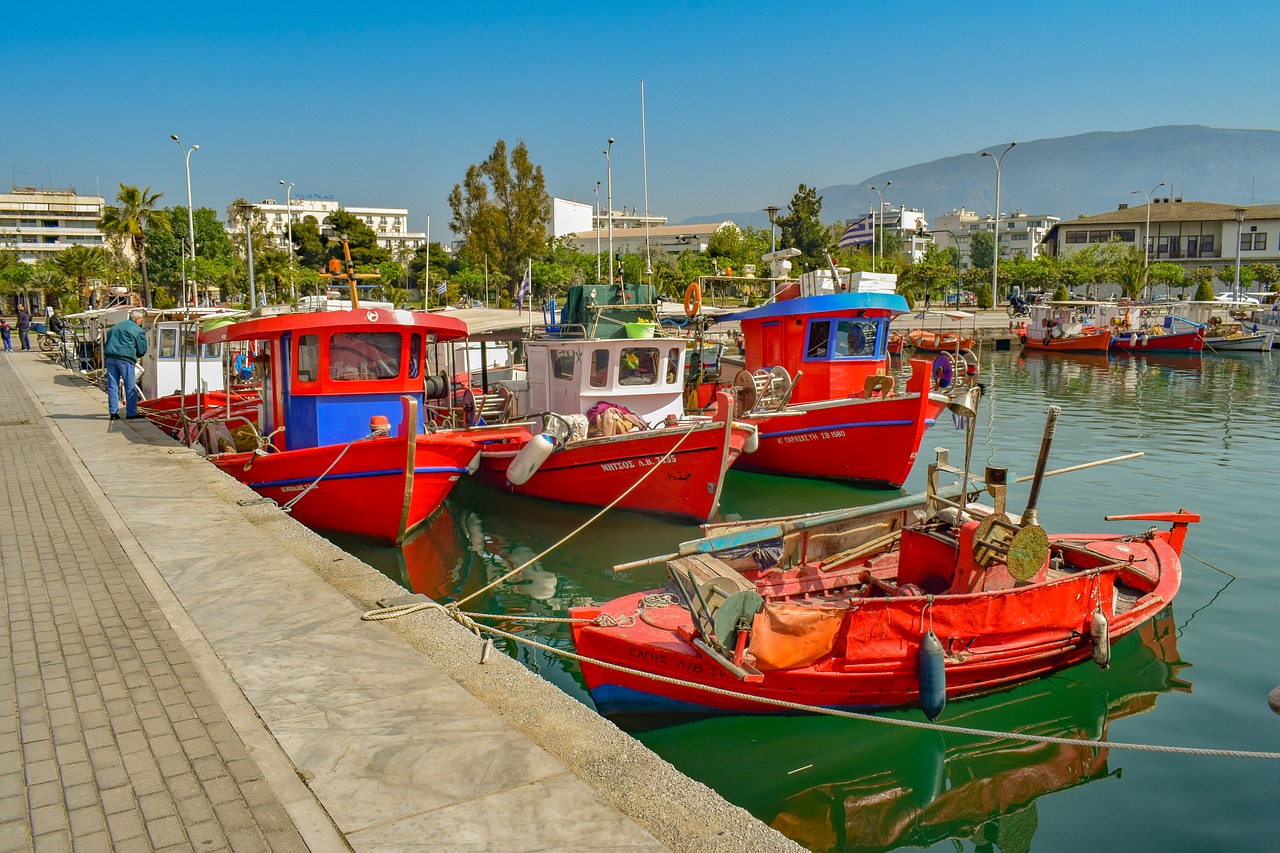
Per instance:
(647,462)
(812,436)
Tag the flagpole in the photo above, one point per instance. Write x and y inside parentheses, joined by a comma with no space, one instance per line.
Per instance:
(426,269)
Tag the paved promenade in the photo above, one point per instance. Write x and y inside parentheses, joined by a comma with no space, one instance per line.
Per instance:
(187,670)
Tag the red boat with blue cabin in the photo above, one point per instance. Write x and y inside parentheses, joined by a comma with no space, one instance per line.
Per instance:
(817,383)
(348,436)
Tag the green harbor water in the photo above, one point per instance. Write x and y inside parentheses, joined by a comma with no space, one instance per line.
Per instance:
(1197,676)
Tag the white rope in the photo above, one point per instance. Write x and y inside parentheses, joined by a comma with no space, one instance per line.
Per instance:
(288,507)
(465,620)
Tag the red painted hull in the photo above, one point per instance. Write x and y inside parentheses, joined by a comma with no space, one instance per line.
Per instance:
(1093,342)
(371,491)
(992,639)
(1192,341)
(596,471)
(860,440)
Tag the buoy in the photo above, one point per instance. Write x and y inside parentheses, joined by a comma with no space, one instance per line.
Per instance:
(933,676)
(1273,699)
(530,459)
(1100,635)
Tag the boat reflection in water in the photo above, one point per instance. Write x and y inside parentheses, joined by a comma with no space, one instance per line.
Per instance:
(834,784)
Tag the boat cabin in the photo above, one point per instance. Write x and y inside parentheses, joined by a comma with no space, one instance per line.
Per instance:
(836,340)
(1060,319)
(326,374)
(176,362)
(603,350)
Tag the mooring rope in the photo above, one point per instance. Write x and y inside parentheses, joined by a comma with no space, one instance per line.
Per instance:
(288,507)
(518,569)
(465,619)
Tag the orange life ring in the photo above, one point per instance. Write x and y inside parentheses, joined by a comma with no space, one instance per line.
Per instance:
(693,299)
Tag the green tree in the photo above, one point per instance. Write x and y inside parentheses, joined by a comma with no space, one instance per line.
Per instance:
(131,218)
(1168,274)
(982,249)
(1266,275)
(361,240)
(83,264)
(801,227)
(501,210)
(310,247)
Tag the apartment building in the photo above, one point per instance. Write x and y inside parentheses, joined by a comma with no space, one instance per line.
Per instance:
(1020,233)
(391,224)
(38,223)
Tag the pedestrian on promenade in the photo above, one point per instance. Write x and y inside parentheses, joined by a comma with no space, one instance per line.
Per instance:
(4,335)
(24,327)
(126,343)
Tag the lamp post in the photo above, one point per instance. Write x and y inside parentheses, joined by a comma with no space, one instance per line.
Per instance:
(1239,211)
(598,281)
(1146,234)
(426,273)
(608,160)
(880,222)
(772,210)
(288,221)
(246,212)
(191,221)
(995,257)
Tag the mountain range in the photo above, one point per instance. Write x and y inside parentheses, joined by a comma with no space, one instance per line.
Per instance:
(1069,176)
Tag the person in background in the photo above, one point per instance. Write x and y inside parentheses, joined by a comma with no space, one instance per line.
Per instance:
(4,336)
(126,343)
(24,327)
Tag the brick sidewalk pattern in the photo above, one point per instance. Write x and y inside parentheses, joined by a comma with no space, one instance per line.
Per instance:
(109,737)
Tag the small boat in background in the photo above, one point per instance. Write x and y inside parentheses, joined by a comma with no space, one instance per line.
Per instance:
(1063,327)
(942,338)
(910,602)
(1222,331)
(1146,328)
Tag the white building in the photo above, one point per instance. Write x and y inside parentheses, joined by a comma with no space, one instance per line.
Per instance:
(1020,233)
(38,223)
(391,224)
(674,238)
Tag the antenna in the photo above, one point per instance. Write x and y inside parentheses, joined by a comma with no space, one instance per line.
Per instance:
(644,159)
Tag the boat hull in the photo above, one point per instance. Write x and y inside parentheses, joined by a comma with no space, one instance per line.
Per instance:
(1094,342)
(167,412)
(381,488)
(867,441)
(597,471)
(938,342)
(1245,343)
(1137,342)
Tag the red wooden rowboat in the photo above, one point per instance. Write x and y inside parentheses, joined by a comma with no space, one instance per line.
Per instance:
(1063,327)
(875,607)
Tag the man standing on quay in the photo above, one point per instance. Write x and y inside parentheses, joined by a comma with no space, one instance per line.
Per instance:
(126,343)
(24,327)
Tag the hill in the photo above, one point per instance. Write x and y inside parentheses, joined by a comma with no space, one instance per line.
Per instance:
(1070,176)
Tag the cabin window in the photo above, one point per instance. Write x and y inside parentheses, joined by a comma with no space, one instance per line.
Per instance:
(638,366)
(673,364)
(168,343)
(563,362)
(819,332)
(855,338)
(308,358)
(364,355)
(189,345)
(599,368)
(415,355)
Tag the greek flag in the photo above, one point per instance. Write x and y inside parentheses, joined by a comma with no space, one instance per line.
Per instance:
(526,284)
(441,288)
(860,233)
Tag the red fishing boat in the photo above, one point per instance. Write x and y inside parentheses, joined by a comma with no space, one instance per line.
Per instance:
(607,399)
(344,441)
(910,602)
(1063,327)
(817,383)
(1141,329)
(942,339)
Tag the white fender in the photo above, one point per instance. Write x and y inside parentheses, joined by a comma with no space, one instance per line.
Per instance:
(753,441)
(530,458)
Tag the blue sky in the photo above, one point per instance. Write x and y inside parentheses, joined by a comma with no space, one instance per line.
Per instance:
(387,104)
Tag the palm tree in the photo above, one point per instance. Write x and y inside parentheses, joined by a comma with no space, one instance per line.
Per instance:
(49,281)
(136,214)
(83,263)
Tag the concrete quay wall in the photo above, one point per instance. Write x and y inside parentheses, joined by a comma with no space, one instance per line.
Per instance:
(283,721)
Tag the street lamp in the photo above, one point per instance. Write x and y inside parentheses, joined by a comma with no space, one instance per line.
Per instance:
(995,258)
(608,159)
(246,213)
(772,210)
(191,222)
(288,218)
(1146,235)
(1239,211)
(880,221)
(598,281)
